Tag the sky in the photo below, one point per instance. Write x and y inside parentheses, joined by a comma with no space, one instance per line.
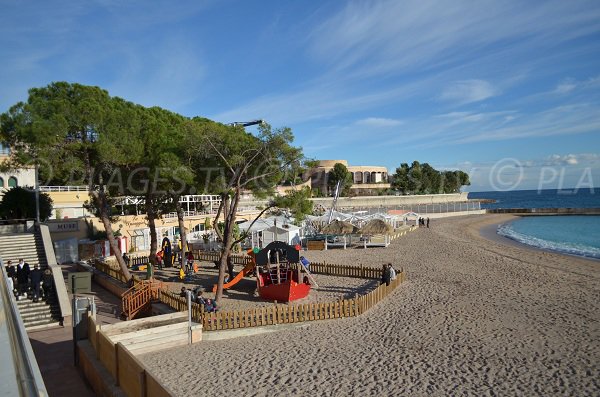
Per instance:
(507,91)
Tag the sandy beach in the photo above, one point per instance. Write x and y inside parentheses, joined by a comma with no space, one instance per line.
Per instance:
(476,317)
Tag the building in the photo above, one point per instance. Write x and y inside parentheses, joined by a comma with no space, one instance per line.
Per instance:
(21,177)
(366,180)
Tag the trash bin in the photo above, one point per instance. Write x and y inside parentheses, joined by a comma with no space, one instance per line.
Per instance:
(80,283)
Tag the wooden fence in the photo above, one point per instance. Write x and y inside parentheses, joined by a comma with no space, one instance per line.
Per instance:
(288,313)
(358,271)
(127,371)
(179,303)
(294,313)
(208,256)
(110,270)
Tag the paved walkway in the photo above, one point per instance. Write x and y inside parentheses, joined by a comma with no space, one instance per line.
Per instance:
(53,348)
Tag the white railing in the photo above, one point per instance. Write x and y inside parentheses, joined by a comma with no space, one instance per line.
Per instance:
(63,188)
(21,375)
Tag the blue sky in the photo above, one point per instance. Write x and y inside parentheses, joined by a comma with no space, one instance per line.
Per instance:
(507,91)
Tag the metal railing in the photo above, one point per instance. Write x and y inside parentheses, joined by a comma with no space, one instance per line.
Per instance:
(423,209)
(20,376)
(63,188)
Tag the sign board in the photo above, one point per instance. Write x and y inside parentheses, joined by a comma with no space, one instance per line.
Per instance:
(312,245)
(65,226)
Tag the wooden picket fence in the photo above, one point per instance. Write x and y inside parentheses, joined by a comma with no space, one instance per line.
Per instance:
(295,313)
(179,303)
(283,313)
(210,256)
(356,271)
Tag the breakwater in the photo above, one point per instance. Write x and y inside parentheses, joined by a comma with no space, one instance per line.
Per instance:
(545,211)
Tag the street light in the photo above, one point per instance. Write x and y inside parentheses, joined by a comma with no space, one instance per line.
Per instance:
(246,123)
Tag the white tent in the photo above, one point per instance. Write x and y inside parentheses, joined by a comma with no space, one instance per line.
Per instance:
(263,231)
(289,234)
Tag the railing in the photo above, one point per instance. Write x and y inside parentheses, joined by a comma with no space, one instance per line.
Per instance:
(436,208)
(21,375)
(139,297)
(109,270)
(63,188)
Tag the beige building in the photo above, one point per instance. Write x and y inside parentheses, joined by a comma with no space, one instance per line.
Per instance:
(21,177)
(366,180)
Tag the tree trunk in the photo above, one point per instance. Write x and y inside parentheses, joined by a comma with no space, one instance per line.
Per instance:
(181,222)
(151,215)
(101,204)
(226,249)
(229,216)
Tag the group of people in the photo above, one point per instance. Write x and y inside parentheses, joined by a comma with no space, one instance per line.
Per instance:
(210,305)
(23,280)
(388,273)
(423,222)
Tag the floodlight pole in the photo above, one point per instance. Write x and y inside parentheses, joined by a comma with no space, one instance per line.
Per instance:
(246,123)
(37,193)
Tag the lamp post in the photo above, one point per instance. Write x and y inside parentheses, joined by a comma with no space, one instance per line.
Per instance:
(246,123)
(37,193)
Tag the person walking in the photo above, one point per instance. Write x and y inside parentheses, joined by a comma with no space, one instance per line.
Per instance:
(427,222)
(11,272)
(36,279)
(47,283)
(385,275)
(22,277)
(392,272)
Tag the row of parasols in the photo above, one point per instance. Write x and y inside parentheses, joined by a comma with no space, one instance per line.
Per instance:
(374,226)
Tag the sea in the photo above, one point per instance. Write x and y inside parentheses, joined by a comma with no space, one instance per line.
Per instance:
(577,235)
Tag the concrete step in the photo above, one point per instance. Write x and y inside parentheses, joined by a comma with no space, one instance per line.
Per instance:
(38,309)
(45,326)
(39,318)
(42,324)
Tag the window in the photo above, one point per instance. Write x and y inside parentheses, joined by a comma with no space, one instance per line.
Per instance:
(4,149)
(1,182)
(12,182)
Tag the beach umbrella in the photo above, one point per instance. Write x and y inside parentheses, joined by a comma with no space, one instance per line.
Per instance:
(339,227)
(377,226)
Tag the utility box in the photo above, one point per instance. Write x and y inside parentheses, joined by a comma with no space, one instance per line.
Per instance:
(80,283)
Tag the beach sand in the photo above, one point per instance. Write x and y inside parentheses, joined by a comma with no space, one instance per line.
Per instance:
(475,317)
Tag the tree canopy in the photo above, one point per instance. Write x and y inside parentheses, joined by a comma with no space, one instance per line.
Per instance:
(340,173)
(424,179)
(79,134)
(19,203)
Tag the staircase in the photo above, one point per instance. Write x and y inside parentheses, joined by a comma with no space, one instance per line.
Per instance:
(30,247)
(39,315)
(139,298)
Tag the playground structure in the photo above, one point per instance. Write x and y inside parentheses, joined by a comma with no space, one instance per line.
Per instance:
(280,276)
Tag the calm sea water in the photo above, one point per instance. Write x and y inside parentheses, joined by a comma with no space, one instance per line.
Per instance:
(582,198)
(574,235)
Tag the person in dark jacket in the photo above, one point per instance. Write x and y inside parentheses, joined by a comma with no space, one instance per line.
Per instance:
(11,272)
(386,275)
(47,283)
(36,279)
(22,276)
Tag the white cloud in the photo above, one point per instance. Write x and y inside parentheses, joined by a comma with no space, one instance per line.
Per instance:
(468,91)
(566,86)
(557,171)
(378,122)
